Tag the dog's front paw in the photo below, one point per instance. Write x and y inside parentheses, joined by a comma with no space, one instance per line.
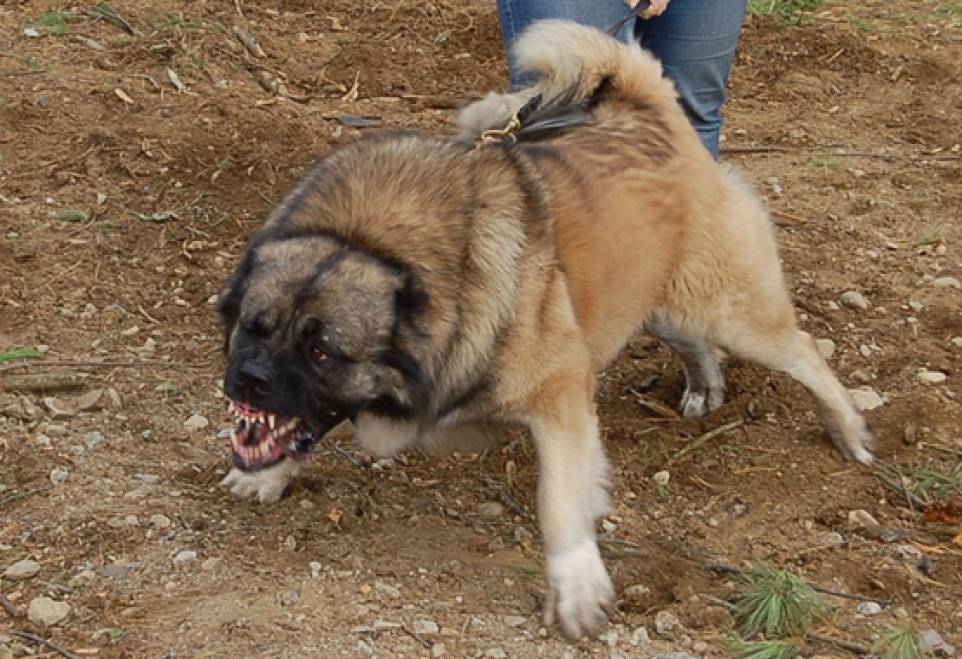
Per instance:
(580,593)
(265,485)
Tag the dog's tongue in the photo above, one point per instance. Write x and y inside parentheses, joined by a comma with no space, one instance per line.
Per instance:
(262,439)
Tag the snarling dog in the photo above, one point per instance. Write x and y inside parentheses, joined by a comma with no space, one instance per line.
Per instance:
(425,288)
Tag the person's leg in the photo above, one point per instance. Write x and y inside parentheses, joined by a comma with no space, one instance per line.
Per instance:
(517,15)
(695,41)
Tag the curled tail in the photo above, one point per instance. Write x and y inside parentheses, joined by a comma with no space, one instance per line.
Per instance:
(576,65)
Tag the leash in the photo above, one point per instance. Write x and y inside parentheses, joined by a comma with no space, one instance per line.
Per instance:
(518,118)
(638,10)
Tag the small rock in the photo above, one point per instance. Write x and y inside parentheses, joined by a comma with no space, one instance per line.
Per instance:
(833,539)
(56,431)
(956,341)
(290,598)
(114,571)
(385,626)
(387,589)
(865,398)
(946,282)
(675,655)
(934,643)
(861,518)
(700,647)
(636,595)
(22,570)
(114,397)
(941,250)
(85,575)
(58,476)
(869,608)
(865,351)
(931,377)
(31,32)
(58,409)
(661,477)
(854,300)
(438,650)
(93,439)
(196,422)
(495,653)
(608,526)
(48,612)
(365,649)
(826,347)
(665,621)
(426,627)
(90,401)
(315,569)
(639,637)
(160,521)
(210,564)
(515,621)
(911,434)
(609,638)
(916,306)
(185,556)
(490,509)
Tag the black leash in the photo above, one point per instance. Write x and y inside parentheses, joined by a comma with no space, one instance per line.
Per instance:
(639,9)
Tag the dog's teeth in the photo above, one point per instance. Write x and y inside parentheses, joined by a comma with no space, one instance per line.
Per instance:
(271,420)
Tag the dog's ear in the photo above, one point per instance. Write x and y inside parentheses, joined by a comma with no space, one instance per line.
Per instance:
(411,297)
(229,302)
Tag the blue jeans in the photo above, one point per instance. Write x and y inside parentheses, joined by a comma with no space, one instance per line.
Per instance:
(694,39)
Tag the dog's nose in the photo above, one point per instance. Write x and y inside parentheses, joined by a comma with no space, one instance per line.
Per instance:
(253,378)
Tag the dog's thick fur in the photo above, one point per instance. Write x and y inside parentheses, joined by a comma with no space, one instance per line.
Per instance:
(461,285)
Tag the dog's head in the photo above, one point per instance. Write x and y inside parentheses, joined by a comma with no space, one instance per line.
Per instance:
(316,330)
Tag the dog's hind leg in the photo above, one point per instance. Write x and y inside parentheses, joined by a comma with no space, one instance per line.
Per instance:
(704,382)
(767,334)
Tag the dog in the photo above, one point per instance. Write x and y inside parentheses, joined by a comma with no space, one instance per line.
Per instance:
(429,289)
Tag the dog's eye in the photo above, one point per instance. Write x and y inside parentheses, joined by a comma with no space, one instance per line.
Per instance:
(317,354)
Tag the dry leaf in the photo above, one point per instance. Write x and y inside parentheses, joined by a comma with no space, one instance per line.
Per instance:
(944,512)
(122,95)
(957,540)
(335,516)
(175,81)
(351,94)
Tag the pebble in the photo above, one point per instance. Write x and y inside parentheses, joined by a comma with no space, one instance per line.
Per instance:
(387,589)
(58,409)
(385,626)
(58,476)
(90,401)
(21,570)
(861,518)
(865,398)
(196,422)
(438,650)
(865,351)
(854,300)
(608,526)
(934,643)
(869,608)
(315,569)
(931,377)
(916,306)
(639,637)
(956,341)
(160,521)
(609,638)
(661,477)
(490,509)
(56,431)
(210,564)
(365,649)
(826,347)
(495,653)
(700,647)
(833,539)
(46,611)
(93,439)
(665,621)
(675,655)
(515,621)
(946,282)
(636,594)
(426,627)
(185,556)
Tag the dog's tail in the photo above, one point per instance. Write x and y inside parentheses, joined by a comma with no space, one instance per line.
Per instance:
(576,66)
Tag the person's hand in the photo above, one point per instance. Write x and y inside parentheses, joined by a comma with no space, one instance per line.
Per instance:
(657,8)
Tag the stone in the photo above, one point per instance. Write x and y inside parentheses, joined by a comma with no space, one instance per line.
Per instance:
(639,637)
(160,521)
(869,608)
(21,570)
(387,589)
(861,518)
(490,509)
(865,398)
(665,621)
(59,476)
(58,409)
(426,627)
(515,621)
(93,439)
(931,377)
(495,653)
(661,477)
(854,300)
(956,341)
(935,644)
(91,401)
(826,347)
(636,595)
(47,612)
(56,431)
(196,422)
(833,539)
(315,569)
(438,650)
(185,556)
(946,282)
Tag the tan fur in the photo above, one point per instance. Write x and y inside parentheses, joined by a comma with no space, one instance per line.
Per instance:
(540,261)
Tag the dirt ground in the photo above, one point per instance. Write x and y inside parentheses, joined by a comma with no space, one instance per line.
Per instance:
(134,166)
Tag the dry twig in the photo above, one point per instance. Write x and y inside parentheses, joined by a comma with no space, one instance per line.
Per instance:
(44,641)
